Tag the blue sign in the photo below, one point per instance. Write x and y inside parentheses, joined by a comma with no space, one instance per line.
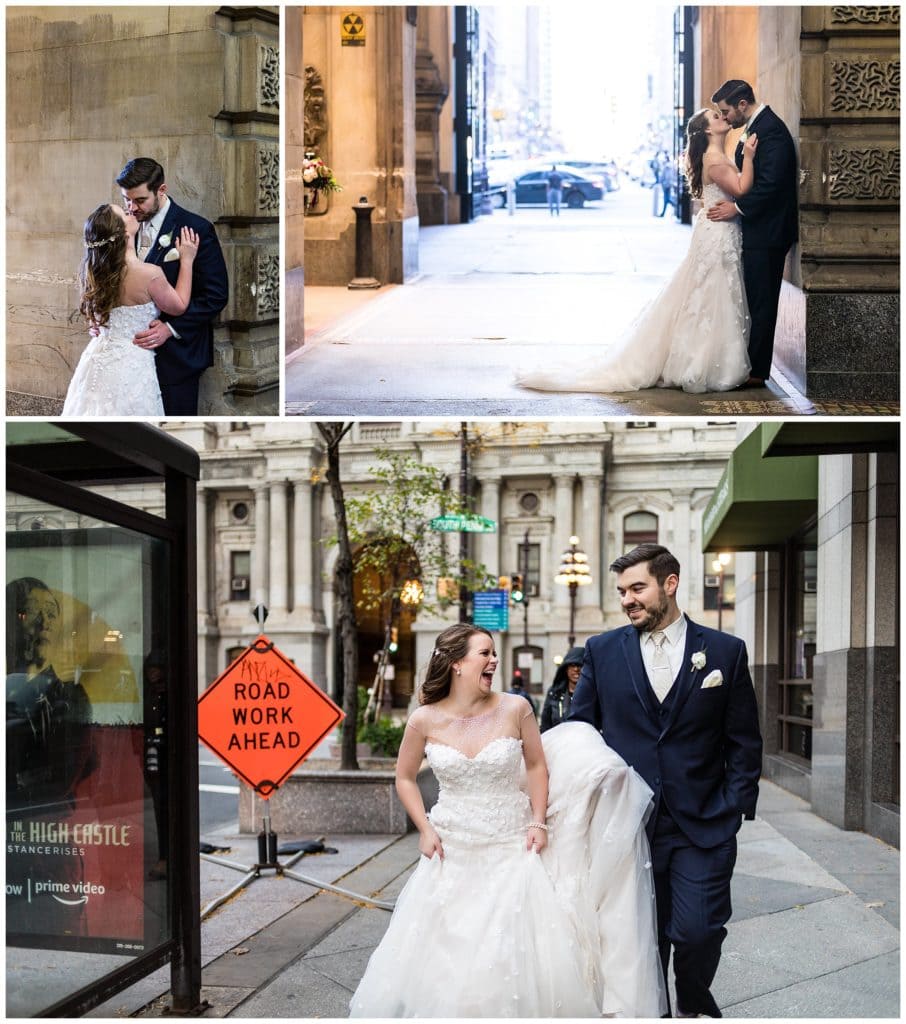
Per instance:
(491,609)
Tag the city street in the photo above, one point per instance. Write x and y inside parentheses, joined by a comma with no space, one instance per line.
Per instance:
(503,294)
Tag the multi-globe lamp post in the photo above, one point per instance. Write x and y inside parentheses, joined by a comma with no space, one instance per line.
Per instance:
(574,572)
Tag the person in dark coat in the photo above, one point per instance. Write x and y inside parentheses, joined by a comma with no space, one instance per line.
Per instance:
(559,696)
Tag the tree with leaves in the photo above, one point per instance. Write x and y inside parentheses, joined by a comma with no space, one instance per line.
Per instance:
(391,524)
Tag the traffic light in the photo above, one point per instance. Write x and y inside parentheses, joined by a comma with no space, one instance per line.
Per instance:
(518,590)
(394,645)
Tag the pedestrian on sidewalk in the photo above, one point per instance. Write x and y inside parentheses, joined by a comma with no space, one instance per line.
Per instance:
(493,922)
(554,191)
(559,696)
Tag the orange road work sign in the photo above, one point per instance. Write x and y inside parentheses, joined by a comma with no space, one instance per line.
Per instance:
(263,717)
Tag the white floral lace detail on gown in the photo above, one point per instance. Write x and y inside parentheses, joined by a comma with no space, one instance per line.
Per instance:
(114,377)
(693,336)
(496,931)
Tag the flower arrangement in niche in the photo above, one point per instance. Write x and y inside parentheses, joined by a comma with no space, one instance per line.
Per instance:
(316,174)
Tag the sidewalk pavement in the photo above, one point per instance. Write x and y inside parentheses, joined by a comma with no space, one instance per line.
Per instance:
(815,929)
(504,294)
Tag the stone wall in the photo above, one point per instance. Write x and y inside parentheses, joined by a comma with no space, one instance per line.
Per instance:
(849,200)
(197,89)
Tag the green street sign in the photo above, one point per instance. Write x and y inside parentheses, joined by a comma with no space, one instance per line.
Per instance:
(463,524)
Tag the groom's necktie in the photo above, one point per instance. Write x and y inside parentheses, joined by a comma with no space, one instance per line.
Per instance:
(661,676)
(144,240)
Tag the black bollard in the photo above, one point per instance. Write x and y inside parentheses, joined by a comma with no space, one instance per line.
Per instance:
(364,257)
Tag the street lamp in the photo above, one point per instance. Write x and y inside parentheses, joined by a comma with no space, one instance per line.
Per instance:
(718,565)
(574,573)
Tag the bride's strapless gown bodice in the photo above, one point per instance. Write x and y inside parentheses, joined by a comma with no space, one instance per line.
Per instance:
(114,377)
(693,336)
(494,930)
(480,798)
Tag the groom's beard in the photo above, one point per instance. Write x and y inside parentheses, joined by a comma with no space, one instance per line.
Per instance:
(654,615)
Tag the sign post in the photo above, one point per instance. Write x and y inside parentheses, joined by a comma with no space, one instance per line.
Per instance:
(263,717)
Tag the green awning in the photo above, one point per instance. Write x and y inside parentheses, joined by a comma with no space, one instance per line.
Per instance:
(830,437)
(760,502)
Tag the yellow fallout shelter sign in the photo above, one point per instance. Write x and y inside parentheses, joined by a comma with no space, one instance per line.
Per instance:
(352,29)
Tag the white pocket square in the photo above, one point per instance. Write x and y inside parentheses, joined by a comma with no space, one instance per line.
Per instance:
(173,254)
(715,678)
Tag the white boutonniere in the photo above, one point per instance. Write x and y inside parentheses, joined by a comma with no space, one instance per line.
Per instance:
(173,254)
(715,678)
(164,240)
(744,136)
(699,660)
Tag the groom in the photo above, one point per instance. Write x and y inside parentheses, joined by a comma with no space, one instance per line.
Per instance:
(770,223)
(675,700)
(183,345)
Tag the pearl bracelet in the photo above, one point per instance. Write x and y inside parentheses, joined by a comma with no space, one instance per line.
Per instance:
(539,824)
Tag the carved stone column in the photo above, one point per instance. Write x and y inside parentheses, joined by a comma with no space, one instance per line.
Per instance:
(430,94)
(278,548)
(303,539)
(590,538)
(260,559)
(849,200)
(563,530)
(489,543)
(248,356)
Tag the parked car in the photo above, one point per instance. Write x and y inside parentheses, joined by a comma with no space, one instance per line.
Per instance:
(606,170)
(531,189)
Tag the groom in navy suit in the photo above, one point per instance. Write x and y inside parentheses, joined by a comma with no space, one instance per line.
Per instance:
(676,701)
(183,345)
(770,219)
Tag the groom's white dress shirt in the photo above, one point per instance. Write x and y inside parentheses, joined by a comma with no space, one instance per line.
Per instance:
(154,225)
(674,647)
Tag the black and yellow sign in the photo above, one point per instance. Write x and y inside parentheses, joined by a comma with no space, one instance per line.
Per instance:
(352,31)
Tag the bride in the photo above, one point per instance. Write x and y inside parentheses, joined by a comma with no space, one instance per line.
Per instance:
(532,897)
(694,335)
(120,296)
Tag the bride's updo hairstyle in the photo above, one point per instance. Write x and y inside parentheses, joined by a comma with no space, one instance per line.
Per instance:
(696,144)
(103,265)
(451,646)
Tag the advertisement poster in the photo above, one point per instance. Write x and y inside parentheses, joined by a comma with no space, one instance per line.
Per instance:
(85,744)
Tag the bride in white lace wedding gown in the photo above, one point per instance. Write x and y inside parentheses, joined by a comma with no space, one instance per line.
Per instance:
(120,296)
(695,334)
(503,917)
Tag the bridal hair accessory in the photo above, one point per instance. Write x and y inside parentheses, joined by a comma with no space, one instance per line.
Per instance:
(103,241)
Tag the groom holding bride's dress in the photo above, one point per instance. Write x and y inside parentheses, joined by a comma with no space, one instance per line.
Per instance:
(768,212)
(676,702)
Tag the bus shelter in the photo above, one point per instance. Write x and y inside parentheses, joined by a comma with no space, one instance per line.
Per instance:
(102,869)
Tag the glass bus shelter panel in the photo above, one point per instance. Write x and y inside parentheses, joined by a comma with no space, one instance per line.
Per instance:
(86,751)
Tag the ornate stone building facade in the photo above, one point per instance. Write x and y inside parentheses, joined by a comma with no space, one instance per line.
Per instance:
(197,88)
(265,521)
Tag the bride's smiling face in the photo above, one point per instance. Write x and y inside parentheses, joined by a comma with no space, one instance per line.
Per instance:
(716,124)
(479,663)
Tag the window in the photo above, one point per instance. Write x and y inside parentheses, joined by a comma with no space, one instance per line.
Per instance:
(240,571)
(794,717)
(533,570)
(639,528)
(720,584)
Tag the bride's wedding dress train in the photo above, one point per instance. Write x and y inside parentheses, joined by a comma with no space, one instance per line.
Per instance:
(114,377)
(693,336)
(496,931)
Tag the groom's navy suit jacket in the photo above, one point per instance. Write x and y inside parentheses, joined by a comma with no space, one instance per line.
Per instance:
(701,751)
(193,352)
(770,218)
